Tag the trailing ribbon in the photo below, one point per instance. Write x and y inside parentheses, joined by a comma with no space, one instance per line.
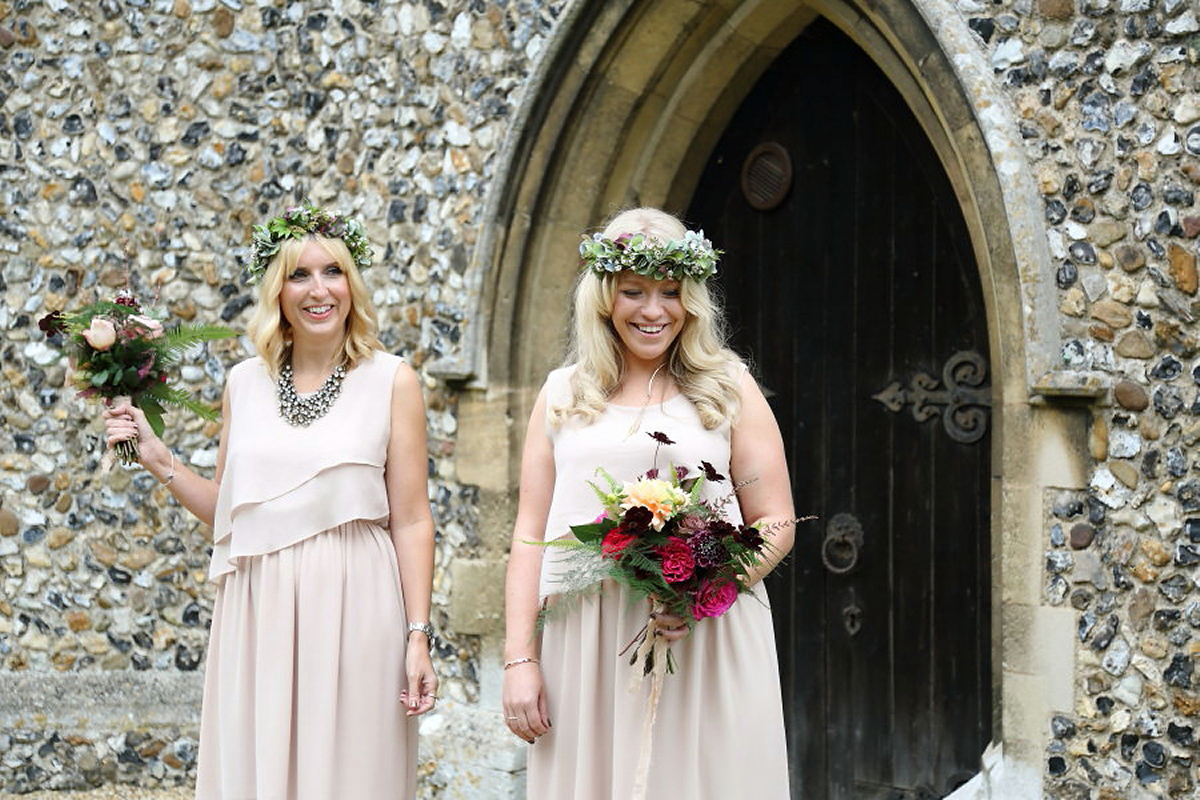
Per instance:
(655,648)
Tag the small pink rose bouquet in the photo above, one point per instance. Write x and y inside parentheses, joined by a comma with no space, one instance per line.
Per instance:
(118,350)
(660,539)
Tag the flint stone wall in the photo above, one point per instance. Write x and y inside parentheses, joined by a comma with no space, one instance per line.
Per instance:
(139,141)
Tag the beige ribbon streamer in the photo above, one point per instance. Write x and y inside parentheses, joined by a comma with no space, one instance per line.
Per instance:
(659,647)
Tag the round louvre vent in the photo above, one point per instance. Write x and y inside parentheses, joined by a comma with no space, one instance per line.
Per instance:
(766,176)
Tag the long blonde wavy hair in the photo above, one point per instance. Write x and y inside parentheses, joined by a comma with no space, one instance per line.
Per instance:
(271,332)
(702,365)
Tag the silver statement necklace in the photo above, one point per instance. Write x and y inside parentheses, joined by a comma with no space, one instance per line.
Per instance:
(302,410)
(637,422)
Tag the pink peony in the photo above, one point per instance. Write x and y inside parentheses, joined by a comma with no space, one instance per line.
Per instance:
(615,542)
(678,563)
(101,335)
(714,599)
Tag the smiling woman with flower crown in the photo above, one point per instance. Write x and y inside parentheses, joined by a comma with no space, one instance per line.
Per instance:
(318,660)
(647,357)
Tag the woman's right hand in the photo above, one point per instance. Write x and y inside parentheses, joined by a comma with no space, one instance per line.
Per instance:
(123,422)
(525,701)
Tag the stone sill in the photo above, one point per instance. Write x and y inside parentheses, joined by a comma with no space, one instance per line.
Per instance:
(1065,385)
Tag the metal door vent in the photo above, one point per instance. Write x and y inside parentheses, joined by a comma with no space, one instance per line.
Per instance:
(767,176)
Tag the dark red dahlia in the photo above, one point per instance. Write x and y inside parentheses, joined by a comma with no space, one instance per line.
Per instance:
(637,519)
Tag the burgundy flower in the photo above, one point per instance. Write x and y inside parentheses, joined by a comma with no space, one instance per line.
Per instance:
(615,542)
(660,437)
(52,323)
(126,298)
(678,563)
(637,519)
(681,473)
(651,474)
(721,529)
(749,536)
(714,599)
(708,550)
(710,472)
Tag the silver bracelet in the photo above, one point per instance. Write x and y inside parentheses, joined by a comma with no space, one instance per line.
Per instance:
(516,661)
(171,472)
(424,627)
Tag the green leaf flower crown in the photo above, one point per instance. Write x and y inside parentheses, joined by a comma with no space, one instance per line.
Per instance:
(298,222)
(692,256)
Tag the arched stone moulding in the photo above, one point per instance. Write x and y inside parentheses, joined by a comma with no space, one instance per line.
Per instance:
(625,108)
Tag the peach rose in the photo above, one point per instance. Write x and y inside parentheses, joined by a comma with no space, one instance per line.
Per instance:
(101,335)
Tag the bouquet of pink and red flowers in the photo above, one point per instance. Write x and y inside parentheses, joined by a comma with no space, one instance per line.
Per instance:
(660,539)
(117,349)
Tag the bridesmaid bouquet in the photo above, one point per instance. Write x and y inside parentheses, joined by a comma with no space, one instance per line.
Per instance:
(659,539)
(118,350)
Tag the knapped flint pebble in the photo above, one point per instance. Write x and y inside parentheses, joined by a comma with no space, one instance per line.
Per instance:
(1179,673)
(1182,735)
(1166,618)
(1168,369)
(1175,588)
(1061,726)
(1168,401)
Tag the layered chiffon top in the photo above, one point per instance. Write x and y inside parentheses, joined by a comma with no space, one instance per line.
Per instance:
(282,484)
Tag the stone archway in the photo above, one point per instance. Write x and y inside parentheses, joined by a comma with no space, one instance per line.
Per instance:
(624,110)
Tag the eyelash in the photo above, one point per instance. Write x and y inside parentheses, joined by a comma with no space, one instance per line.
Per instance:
(300,274)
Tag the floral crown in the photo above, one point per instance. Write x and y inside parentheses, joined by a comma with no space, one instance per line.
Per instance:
(692,256)
(298,222)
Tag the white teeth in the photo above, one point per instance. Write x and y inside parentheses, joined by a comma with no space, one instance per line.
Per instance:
(649,328)
(318,309)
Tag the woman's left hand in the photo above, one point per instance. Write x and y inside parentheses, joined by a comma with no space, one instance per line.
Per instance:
(669,627)
(421,694)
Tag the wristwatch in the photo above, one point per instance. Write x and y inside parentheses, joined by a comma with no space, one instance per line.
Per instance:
(425,628)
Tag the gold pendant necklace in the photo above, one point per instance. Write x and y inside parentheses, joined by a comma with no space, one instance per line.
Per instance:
(637,422)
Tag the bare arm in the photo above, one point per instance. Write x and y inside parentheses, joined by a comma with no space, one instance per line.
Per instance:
(524,692)
(757,460)
(193,491)
(411,528)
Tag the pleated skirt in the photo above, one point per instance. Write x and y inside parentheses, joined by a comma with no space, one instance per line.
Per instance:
(719,732)
(303,675)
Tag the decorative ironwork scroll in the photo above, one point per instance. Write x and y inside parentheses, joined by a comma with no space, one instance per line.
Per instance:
(963,400)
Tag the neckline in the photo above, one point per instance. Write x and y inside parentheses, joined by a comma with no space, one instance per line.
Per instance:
(659,404)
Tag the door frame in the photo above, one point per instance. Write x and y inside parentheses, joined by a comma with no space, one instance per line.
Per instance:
(624,109)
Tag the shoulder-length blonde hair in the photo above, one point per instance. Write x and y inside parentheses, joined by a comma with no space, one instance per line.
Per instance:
(704,368)
(271,332)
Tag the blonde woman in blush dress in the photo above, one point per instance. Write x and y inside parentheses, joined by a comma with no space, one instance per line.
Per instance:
(647,356)
(318,659)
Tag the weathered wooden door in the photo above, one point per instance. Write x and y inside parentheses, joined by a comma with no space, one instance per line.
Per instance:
(857,299)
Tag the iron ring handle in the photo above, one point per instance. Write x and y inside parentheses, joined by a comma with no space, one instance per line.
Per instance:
(843,538)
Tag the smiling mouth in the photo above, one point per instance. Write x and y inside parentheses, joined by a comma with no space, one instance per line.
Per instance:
(318,311)
(650,329)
